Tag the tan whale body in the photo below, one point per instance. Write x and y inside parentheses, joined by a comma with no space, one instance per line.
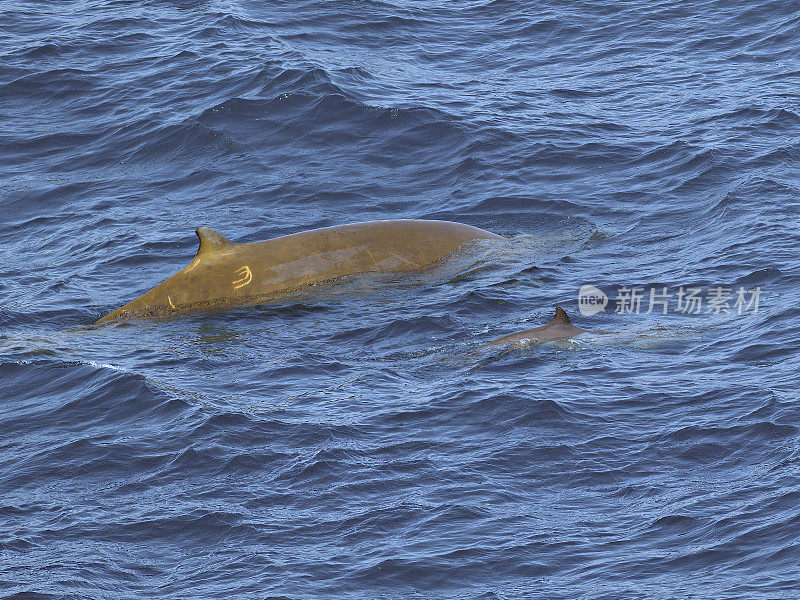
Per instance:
(224,274)
(558,328)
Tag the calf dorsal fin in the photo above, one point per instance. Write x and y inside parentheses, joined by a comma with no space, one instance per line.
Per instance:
(211,241)
(561,317)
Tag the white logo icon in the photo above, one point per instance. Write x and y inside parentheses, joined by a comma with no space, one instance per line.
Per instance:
(591,300)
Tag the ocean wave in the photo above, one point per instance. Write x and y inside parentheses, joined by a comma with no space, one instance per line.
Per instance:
(364,445)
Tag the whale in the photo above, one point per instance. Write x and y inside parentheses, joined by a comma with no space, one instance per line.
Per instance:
(558,328)
(224,274)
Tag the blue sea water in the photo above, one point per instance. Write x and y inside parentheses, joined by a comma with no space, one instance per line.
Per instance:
(369,445)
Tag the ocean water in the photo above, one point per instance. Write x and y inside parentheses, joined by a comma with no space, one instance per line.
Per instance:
(369,445)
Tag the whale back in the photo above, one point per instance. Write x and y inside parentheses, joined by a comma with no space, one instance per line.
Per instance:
(557,328)
(225,274)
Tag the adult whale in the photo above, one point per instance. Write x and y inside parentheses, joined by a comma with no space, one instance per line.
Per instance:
(225,274)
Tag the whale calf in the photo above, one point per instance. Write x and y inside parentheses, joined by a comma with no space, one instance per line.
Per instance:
(225,274)
(558,328)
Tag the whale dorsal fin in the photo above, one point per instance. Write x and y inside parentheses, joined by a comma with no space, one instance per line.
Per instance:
(561,317)
(211,241)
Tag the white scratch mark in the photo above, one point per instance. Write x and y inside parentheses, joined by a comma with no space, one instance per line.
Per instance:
(245,276)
